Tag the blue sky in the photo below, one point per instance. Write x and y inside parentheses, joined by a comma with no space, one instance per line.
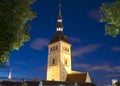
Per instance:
(92,50)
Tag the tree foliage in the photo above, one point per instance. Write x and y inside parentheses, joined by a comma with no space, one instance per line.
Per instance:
(110,14)
(117,84)
(14,27)
(24,83)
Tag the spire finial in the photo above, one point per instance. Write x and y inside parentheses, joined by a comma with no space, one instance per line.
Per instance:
(60,9)
(59,21)
(10,75)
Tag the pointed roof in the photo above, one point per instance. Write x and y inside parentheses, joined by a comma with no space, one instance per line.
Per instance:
(60,14)
(78,77)
(10,75)
(59,36)
(59,26)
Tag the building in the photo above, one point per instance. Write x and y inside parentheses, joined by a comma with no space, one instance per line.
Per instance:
(114,81)
(59,71)
(43,83)
(59,58)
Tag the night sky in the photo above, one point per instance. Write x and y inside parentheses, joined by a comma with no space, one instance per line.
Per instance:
(92,50)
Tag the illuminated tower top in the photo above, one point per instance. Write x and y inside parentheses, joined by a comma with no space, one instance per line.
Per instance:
(59,26)
(59,36)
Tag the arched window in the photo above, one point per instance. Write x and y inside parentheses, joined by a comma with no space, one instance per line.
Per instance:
(53,62)
(51,49)
(65,48)
(68,49)
(56,47)
(65,61)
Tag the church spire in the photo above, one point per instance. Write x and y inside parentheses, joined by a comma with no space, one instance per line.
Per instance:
(59,21)
(60,11)
(10,75)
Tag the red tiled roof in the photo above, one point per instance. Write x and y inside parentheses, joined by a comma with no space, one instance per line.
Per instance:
(76,77)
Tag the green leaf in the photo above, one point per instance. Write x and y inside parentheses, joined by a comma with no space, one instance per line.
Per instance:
(14,17)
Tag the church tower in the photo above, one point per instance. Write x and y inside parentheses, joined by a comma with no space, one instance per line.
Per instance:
(10,75)
(59,54)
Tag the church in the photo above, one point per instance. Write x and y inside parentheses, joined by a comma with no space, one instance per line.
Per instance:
(59,58)
(59,70)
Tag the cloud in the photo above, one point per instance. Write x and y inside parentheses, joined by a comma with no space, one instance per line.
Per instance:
(39,44)
(94,14)
(104,67)
(81,65)
(80,51)
(107,68)
(116,48)
(74,39)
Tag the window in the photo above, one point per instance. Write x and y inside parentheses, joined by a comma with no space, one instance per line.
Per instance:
(56,47)
(65,48)
(53,62)
(50,49)
(65,61)
(68,49)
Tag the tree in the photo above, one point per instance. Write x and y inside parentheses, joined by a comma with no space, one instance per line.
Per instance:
(110,14)
(24,83)
(14,28)
(117,84)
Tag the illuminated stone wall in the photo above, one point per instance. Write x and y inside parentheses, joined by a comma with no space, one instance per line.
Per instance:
(59,61)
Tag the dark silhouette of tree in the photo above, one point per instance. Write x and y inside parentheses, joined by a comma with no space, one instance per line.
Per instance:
(14,27)
(117,84)
(24,83)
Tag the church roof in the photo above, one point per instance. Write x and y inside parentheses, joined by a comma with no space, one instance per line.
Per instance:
(59,36)
(76,77)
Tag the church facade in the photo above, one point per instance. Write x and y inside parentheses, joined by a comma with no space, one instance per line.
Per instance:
(59,54)
(59,71)
(59,58)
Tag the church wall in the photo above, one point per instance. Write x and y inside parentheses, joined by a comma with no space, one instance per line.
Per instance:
(53,70)
(61,53)
(65,60)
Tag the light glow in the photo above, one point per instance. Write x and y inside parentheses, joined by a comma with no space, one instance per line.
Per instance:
(59,29)
(59,20)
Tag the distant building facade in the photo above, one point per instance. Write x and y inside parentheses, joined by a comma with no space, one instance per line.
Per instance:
(114,81)
(43,83)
